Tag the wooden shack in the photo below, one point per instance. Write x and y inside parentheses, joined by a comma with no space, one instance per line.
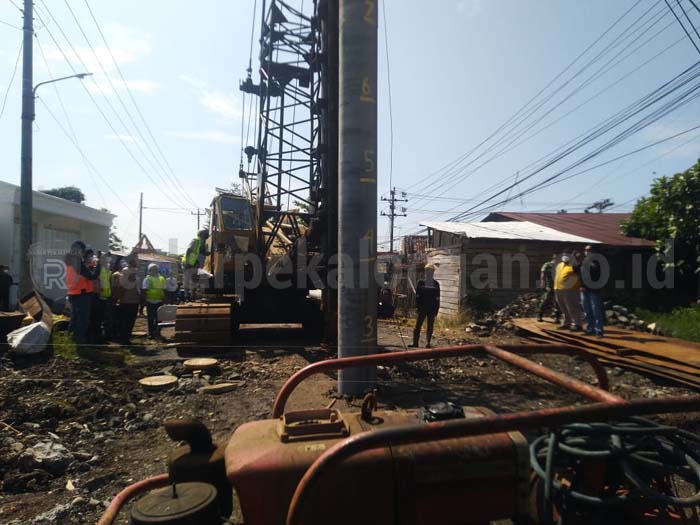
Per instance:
(500,258)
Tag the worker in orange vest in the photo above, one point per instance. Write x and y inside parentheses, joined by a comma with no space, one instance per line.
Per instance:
(80,284)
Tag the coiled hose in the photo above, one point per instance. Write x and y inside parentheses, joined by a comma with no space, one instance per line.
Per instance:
(645,453)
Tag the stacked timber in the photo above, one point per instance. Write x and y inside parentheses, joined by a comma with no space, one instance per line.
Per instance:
(204,324)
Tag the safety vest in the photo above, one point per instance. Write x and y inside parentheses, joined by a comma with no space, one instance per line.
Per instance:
(193,256)
(156,288)
(77,284)
(105,283)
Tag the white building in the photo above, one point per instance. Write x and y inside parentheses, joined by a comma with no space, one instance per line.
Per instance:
(56,224)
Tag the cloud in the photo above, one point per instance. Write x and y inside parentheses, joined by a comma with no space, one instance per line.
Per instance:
(126,46)
(207,136)
(221,103)
(195,82)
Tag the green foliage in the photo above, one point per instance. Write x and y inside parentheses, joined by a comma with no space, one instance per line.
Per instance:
(671,211)
(115,242)
(64,345)
(69,193)
(683,323)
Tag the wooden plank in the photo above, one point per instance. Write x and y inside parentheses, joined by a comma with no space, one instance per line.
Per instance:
(204,337)
(203,323)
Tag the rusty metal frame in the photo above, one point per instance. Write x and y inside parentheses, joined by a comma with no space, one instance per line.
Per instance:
(410,434)
(506,353)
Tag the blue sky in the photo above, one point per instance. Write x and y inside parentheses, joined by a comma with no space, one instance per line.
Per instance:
(459,68)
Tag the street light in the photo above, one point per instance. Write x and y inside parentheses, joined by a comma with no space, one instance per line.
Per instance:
(28,107)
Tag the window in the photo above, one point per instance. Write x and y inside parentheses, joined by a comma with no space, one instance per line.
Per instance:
(235,213)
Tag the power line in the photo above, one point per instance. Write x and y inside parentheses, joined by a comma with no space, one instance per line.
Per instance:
(12,80)
(574,165)
(654,19)
(18,7)
(688,18)
(637,107)
(99,108)
(10,25)
(523,108)
(90,164)
(157,164)
(65,113)
(683,26)
(136,106)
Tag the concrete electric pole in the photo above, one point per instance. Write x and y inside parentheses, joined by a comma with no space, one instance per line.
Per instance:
(28,114)
(25,232)
(392,200)
(197,213)
(357,175)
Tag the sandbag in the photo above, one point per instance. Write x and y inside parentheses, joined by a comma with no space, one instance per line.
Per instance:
(30,339)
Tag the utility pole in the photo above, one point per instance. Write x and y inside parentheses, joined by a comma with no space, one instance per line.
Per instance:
(392,200)
(140,217)
(357,195)
(25,234)
(197,213)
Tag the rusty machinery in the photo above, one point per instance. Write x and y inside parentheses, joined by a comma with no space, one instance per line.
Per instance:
(285,214)
(593,463)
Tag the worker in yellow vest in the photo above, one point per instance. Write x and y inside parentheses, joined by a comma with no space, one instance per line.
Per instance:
(153,295)
(105,311)
(193,260)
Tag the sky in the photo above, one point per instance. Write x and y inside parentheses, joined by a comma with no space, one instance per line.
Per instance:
(456,71)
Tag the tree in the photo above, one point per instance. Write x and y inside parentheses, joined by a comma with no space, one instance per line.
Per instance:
(115,242)
(671,212)
(69,193)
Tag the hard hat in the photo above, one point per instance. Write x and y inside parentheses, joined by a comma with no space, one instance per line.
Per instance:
(430,266)
(152,266)
(78,247)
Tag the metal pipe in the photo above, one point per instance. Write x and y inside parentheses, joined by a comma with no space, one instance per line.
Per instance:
(408,434)
(128,493)
(570,383)
(436,353)
(568,350)
(357,173)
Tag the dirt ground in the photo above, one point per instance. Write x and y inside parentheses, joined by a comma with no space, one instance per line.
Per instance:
(105,432)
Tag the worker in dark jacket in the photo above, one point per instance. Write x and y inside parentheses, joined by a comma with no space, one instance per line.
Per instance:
(547,280)
(427,303)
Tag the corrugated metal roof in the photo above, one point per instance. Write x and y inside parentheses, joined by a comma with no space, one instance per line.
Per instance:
(515,230)
(603,227)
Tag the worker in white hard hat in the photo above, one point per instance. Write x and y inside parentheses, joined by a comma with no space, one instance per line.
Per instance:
(427,304)
(192,261)
(153,295)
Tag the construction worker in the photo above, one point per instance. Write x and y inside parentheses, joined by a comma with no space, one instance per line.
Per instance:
(427,304)
(194,259)
(100,322)
(80,282)
(547,280)
(566,291)
(171,287)
(153,295)
(129,296)
(5,285)
(591,296)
